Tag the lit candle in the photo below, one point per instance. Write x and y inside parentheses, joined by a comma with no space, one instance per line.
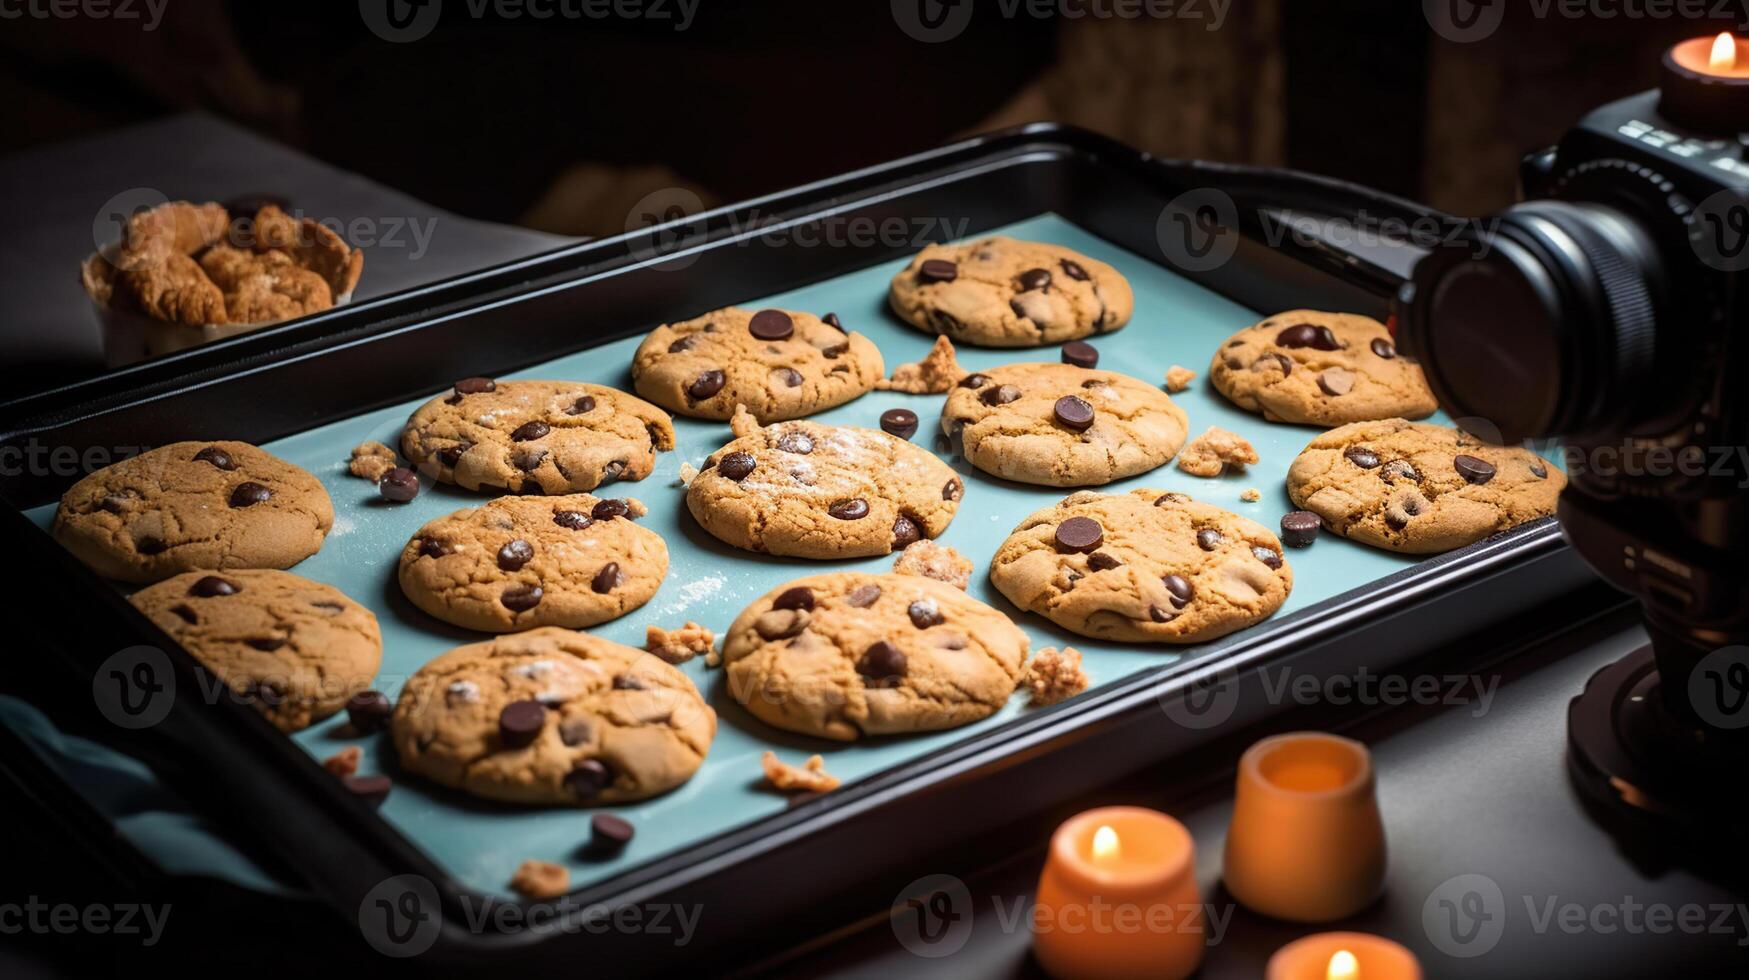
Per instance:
(1706,84)
(1118,898)
(1343,956)
(1306,842)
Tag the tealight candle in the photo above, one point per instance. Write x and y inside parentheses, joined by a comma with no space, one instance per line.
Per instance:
(1343,956)
(1118,898)
(1306,842)
(1706,84)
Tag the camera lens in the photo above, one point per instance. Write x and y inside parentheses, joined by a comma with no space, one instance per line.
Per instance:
(1541,323)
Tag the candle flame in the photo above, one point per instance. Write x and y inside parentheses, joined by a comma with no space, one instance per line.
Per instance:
(1343,966)
(1724,57)
(1105,844)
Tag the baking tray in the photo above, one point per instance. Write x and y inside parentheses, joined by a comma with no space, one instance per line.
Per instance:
(740,856)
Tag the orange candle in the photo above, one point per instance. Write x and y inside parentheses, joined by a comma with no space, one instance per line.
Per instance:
(1306,842)
(1118,898)
(1343,956)
(1717,57)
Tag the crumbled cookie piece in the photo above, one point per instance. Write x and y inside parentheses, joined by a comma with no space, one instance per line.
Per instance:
(936,561)
(713,658)
(1214,451)
(635,508)
(344,762)
(743,422)
(687,472)
(1178,378)
(810,777)
(935,374)
(541,879)
(679,646)
(1054,675)
(370,460)
(1250,495)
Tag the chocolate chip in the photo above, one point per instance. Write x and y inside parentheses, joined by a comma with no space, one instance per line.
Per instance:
(611,471)
(835,351)
(627,682)
(854,509)
(451,455)
(1267,556)
(1081,354)
(588,778)
(1034,279)
(1073,270)
(974,381)
(1073,413)
(901,422)
(209,586)
(1299,528)
(1171,497)
(1208,539)
(515,554)
(1099,561)
(529,431)
(399,485)
(1477,471)
(863,596)
(1159,615)
(937,270)
(1000,395)
(1181,589)
(952,489)
(216,456)
(475,386)
(1362,457)
(905,532)
(683,344)
(771,325)
(1308,335)
(1079,534)
(582,406)
(831,320)
(575,731)
(925,613)
(574,520)
(266,644)
(1400,469)
(607,510)
(790,377)
(608,579)
(1383,348)
(433,548)
(520,723)
(529,460)
(371,789)
(368,711)
(1335,381)
(736,466)
(1279,360)
(706,385)
(148,545)
(795,441)
(1538,470)
(249,494)
(188,615)
(799,597)
(883,664)
(121,501)
(609,834)
(521,598)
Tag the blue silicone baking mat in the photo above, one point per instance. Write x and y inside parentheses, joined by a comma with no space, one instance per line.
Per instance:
(481,843)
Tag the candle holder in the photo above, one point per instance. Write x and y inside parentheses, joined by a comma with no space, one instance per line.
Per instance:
(1320,958)
(1306,843)
(1705,85)
(1118,898)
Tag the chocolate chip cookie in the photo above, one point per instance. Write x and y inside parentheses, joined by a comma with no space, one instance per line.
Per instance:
(1003,292)
(1062,426)
(823,491)
(1143,567)
(1419,488)
(521,562)
(191,505)
(779,363)
(535,436)
(552,716)
(1325,369)
(295,649)
(851,654)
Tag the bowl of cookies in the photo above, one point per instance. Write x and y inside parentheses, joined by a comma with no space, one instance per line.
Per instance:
(185,274)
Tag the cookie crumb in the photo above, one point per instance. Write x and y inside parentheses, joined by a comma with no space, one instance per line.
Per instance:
(1215,451)
(344,762)
(810,777)
(370,460)
(744,423)
(679,646)
(541,879)
(927,559)
(1054,675)
(1178,378)
(936,373)
(635,508)
(713,657)
(1250,495)
(688,473)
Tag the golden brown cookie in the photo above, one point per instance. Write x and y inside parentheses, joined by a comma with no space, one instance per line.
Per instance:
(1324,369)
(1419,488)
(1004,292)
(552,716)
(296,649)
(189,505)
